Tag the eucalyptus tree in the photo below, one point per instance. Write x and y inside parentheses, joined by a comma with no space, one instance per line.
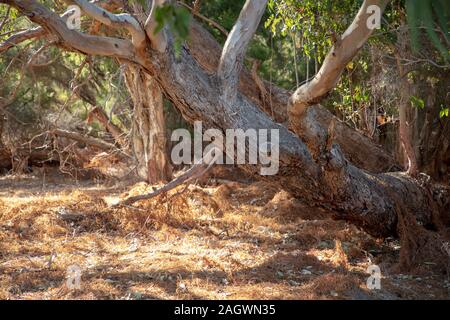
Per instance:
(312,164)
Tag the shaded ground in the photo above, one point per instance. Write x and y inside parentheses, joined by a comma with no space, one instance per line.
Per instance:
(228,241)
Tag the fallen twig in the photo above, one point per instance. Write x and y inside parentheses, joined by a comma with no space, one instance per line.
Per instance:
(195,172)
(88,140)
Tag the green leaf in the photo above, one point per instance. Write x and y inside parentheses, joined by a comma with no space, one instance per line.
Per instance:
(413,17)
(417,102)
(444,113)
(177,19)
(426,14)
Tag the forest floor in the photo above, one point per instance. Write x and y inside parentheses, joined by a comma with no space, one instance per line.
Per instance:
(227,240)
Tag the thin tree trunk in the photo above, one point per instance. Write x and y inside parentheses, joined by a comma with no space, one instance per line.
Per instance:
(149,138)
(405,132)
(406,136)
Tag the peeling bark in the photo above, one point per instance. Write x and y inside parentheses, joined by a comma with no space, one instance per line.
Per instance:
(405,132)
(149,139)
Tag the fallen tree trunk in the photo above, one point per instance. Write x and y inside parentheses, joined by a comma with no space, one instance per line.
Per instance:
(43,149)
(367,200)
(207,50)
(370,201)
(25,156)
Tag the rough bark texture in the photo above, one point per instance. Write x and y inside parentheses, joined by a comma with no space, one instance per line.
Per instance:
(405,126)
(424,137)
(405,133)
(149,138)
(432,142)
(207,52)
(429,133)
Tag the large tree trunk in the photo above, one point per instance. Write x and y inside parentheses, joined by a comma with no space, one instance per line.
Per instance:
(207,51)
(148,135)
(367,200)
(372,201)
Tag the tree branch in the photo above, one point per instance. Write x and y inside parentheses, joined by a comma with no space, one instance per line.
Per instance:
(20,37)
(233,54)
(123,20)
(102,117)
(5,18)
(72,39)
(343,51)
(206,19)
(195,172)
(158,40)
(94,142)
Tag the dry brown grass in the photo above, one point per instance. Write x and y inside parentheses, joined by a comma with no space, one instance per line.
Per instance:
(233,241)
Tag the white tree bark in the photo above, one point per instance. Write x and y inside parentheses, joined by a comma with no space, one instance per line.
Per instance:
(311,127)
(157,40)
(20,37)
(235,47)
(72,39)
(123,20)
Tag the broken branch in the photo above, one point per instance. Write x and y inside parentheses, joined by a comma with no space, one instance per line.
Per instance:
(195,172)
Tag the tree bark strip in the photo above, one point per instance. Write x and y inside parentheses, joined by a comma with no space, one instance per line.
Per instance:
(149,136)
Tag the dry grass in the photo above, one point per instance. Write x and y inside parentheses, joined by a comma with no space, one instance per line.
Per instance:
(233,241)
